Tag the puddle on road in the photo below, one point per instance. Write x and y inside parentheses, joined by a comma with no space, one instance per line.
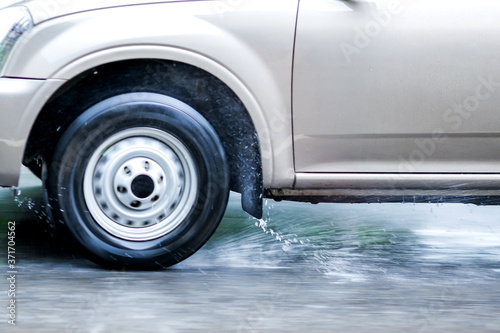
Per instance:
(343,242)
(359,242)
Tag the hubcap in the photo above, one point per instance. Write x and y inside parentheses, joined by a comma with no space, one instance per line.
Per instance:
(140,184)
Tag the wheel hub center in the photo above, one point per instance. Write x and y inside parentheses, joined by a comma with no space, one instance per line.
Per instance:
(142,186)
(140,183)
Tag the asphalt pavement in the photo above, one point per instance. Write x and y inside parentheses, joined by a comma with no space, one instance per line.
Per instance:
(303,268)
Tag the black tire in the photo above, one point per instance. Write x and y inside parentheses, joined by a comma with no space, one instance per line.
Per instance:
(139,181)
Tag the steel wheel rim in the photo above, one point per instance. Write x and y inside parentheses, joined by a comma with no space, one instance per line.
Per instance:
(140,184)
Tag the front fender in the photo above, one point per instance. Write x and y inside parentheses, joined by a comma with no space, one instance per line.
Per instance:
(255,60)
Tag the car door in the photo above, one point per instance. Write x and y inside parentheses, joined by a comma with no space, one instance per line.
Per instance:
(402,86)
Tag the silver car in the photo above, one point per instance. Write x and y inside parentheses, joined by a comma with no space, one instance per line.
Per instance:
(140,116)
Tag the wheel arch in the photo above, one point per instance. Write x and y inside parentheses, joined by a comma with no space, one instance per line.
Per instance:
(212,90)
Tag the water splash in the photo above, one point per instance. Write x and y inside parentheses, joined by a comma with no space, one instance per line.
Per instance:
(286,239)
(24,202)
(27,202)
(15,191)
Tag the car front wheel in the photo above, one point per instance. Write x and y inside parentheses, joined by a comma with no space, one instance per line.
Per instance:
(139,181)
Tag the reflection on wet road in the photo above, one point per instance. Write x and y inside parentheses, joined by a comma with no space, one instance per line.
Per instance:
(322,268)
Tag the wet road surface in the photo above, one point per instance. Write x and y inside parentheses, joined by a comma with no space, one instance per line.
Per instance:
(304,268)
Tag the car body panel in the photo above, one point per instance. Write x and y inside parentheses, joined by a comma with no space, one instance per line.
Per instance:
(50,9)
(7,3)
(384,113)
(17,96)
(198,33)
(397,87)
